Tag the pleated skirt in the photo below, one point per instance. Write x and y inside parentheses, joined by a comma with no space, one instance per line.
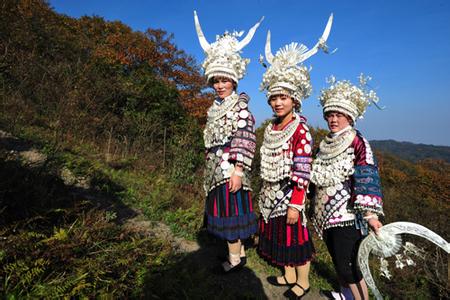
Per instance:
(230,216)
(283,244)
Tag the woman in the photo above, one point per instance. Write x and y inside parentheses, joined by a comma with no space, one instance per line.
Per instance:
(230,144)
(347,185)
(285,164)
(284,239)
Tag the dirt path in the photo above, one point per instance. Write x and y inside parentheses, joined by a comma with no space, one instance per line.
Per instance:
(203,254)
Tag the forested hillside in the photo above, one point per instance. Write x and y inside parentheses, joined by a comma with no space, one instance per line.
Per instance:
(116,116)
(412,152)
(101,149)
(94,82)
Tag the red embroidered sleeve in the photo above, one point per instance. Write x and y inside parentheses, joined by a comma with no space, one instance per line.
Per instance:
(243,142)
(302,148)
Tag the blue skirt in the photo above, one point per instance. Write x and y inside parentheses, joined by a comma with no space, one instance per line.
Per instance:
(230,216)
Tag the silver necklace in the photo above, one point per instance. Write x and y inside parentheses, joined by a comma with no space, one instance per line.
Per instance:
(276,151)
(221,122)
(334,162)
(274,139)
(333,146)
(217,111)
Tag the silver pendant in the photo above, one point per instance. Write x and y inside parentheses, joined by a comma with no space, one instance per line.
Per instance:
(308,136)
(272,195)
(224,165)
(242,123)
(243,114)
(242,104)
(225,156)
(279,194)
(331,191)
(307,148)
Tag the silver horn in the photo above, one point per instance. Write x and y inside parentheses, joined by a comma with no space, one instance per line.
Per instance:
(249,36)
(201,37)
(321,42)
(269,55)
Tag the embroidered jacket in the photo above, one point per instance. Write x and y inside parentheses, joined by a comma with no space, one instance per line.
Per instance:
(238,147)
(276,197)
(338,204)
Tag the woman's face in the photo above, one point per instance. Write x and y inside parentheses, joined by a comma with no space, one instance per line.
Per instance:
(336,121)
(223,86)
(282,105)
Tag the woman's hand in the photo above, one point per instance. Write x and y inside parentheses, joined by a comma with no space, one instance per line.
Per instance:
(235,183)
(375,225)
(236,179)
(292,215)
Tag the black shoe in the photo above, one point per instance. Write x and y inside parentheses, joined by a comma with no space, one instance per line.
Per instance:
(225,258)
(273,281)
(291,295)
(227,267)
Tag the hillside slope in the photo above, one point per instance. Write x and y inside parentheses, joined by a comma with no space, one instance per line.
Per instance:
(412,152)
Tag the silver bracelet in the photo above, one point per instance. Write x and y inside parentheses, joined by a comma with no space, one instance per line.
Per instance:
(238,173)
(297,207)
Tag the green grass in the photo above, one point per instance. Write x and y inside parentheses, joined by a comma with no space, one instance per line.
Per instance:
(102,259)
(56,244)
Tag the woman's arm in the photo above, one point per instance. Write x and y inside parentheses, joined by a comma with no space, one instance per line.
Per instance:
(302,146)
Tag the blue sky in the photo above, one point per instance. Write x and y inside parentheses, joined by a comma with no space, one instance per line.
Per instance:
(404,45)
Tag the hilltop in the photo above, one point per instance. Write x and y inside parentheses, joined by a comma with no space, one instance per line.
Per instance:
(412,152)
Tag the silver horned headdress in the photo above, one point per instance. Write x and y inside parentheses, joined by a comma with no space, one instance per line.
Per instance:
(285,75)
(344,97)
(223,56)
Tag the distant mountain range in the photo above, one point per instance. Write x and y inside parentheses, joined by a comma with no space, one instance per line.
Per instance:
(412,152)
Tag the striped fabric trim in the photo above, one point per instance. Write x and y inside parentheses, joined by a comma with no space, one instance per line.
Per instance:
(232,228)
(285,245)
(303,175)
(367,189)
(303,159)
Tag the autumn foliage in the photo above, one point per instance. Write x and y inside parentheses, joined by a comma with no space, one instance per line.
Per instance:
(90,80)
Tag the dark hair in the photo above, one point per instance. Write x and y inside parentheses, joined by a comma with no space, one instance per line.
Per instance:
(297,105)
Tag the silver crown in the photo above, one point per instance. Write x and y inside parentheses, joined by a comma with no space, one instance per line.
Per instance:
(345,97)
(223,56)
(286,74)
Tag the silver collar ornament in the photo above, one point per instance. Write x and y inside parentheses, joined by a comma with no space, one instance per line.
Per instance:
(276,152)
(388,243)
(334,162)
(222,121)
